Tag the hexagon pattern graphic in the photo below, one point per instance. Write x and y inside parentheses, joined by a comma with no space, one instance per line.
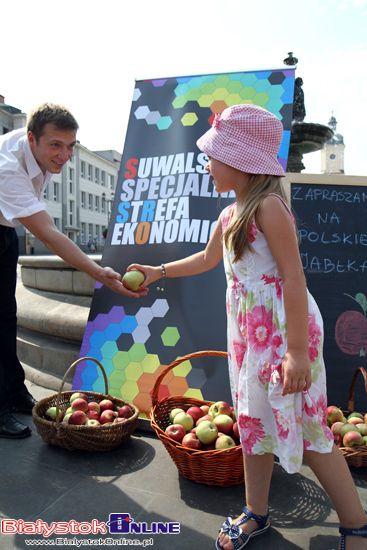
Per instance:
(131,374)
(272,90)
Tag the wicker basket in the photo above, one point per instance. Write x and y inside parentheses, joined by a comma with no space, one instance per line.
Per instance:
(217,467)
(87,438)
(355,456)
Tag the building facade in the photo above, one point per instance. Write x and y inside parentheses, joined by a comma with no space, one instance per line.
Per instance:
(80,198)
(332,155)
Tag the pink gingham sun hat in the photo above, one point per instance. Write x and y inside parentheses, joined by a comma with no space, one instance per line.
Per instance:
(246,137)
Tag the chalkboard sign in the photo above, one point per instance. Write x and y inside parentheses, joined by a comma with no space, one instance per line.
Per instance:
(332,225)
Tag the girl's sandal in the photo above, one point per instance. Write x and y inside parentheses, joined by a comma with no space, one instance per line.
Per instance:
(351,533)
(238,538)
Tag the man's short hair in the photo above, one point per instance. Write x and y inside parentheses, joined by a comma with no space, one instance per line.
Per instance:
(52,113)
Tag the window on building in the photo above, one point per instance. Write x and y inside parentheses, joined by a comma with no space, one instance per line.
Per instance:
(96,175)
(71,212)
(57,223)
(45,194)
(56,191)
(90,202)
(90,232)
(96,206)
(103,178)
(90,172)
(71,181)
(83,232)
(82,200)
(82,169)
(111,181)
(104,204)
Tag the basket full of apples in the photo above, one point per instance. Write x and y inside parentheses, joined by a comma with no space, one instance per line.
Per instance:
(200,436)
(89,421)
(350,427)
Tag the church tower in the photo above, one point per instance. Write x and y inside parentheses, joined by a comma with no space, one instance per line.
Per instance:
(332,155)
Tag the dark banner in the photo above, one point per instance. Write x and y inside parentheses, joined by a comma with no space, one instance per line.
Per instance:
(165,208)
(333,244)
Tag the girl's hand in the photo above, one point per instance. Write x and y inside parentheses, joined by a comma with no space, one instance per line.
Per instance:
(151,273)
(296,372)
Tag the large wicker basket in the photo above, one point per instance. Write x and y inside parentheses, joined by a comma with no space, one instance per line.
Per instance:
(217,467)
(355,456)
(87,438)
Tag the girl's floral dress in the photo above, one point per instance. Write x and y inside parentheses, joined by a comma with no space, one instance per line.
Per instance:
(257,343)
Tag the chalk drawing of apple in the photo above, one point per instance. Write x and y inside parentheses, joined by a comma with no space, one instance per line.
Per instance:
(351,329)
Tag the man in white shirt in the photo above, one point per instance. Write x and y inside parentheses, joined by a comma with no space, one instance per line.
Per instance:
(28,158)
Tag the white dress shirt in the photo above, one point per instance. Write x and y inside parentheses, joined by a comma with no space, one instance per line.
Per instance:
(21,180)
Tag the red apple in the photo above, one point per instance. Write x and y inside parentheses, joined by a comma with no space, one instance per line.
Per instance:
(224,442)
(352,439)
(220,407)
(338,440)
(65,420)
(119,419)
(354,420)
(77,395)
(195,412)
(355,414)
(236,430)
(207,432)
(205,409)
(79,404)
(107,415)
(92,415)
(210,447)
(191,441)
(334,414)
(185,420)
(224,423)
(78,418)
(125,412)
(176,432)
(106,405)
(93,406)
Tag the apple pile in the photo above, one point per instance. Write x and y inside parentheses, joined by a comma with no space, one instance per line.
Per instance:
(82,412)
(348,432)
(204,428)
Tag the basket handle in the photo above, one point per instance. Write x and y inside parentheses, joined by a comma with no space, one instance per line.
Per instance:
(65,377)
(177,362)
(351,391)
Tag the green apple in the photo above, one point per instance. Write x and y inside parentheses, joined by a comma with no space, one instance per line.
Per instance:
(355,415)
(51,414)
(207,432)
(348,428)
(224,442)
(362,428)
(133,279)
(185,420)
(173,413)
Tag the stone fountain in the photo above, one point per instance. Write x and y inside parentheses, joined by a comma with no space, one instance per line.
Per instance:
(306,137)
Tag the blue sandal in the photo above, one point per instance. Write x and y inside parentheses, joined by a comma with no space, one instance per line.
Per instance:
(351,533)
(238,538)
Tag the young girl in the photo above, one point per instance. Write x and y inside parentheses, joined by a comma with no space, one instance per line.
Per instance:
(275,330)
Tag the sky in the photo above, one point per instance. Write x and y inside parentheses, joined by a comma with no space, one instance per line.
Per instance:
(88,55)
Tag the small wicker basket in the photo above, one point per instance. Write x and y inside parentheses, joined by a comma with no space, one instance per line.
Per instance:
(355,456)
(216,467)
(87,438)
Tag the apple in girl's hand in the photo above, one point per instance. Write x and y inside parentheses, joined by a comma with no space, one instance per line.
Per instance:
(133,279)
(176,432)
(195,412)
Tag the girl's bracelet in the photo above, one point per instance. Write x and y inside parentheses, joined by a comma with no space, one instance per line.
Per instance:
(161,287)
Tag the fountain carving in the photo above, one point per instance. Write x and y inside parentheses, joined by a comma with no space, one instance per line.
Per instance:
(306,137)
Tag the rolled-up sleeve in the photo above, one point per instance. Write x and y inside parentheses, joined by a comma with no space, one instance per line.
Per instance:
(17,197)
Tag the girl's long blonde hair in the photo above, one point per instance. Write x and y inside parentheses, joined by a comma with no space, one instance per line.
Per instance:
(237,233)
